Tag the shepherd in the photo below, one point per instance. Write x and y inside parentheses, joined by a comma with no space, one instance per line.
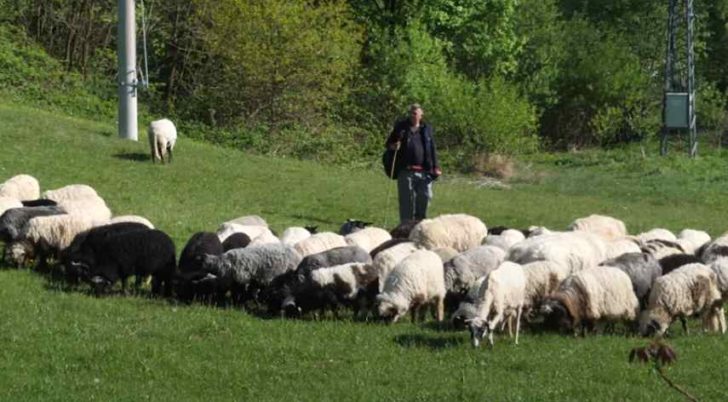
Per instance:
(415,163)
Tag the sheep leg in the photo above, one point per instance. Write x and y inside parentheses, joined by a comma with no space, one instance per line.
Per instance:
(518,322)
(413,312)
(684,323)
(440,306)
(169,151)
(721,320)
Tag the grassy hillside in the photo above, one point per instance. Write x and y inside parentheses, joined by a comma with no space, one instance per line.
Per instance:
(60,345)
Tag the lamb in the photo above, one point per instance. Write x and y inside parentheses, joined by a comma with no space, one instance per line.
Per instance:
(294,234)
(591,295)
(606,227)
(642,270)
(22,187)
(235,240)
(463,270)
(70,192)
(9,203)
(416,281)
(132,218)
(248,270)
(501,296)
(505,239)
(162,136)
(319,242)
(368,238)
(691,289)
(460,232)
(137,253)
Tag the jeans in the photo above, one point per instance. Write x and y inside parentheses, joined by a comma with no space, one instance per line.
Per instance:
(415,193)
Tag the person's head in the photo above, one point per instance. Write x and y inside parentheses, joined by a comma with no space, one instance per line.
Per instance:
(415,113)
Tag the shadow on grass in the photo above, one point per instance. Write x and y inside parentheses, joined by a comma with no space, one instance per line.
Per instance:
(430,342)
(133,156)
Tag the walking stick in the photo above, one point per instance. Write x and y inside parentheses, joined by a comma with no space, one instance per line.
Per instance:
(389,192)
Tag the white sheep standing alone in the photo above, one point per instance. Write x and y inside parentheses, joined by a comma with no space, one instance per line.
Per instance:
(162,137)
(22,187)
(458,231)
(416,281)
(501,296)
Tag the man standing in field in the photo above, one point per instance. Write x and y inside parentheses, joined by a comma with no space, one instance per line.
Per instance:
(416,164)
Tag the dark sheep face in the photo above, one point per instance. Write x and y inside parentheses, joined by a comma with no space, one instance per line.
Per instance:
(556,317)
(478,331)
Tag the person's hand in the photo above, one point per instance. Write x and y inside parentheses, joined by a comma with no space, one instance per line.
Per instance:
(436,172)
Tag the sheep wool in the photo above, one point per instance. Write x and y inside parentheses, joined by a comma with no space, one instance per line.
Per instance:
(22,187)
(70,192)
(162,135)
(294,234)
(458,231)
(227,229)
(385,261)
(320,242)
(8,203)
(573,251)
(368,238)
(249,220)
(604,226)
(415,281)
(132,218)
(501,296)
(505,240)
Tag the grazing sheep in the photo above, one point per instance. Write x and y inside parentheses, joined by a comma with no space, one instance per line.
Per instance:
(235,240)
(384,262)
(319,242)
(294,234)
(70,192)
(416,281)
(162,136)
(137,253)
(460,232)
(22,187)
(132,218)
(227,229)
(50,235)
(266,237)
(606,227)
(675,261)
(501,296)
(352,226)
(661,248)
(574,251)
(92,208)
(246,271)
(642,270)
(190,264)
(542,280)
(714,250)
(9,203)
(691,289)
(336,285)
(505,239)
(334,256)
(403,230)
(591,295)
(617,247)
(466,310)
(249,220)
(367,238)
(14,221)
(464,269)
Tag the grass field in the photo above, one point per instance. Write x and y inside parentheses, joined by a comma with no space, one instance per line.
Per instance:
(61,345)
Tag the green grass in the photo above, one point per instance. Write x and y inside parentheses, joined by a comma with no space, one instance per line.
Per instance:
(60,345)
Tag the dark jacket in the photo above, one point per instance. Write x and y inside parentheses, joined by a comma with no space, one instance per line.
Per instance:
(399,133)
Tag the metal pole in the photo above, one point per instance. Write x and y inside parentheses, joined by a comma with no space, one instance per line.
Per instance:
(127,71)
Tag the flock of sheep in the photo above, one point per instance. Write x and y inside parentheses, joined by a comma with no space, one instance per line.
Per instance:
(485,280)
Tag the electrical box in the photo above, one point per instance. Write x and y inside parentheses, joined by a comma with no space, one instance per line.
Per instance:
(676,110)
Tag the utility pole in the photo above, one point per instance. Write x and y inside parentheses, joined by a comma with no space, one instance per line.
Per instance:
(127,77)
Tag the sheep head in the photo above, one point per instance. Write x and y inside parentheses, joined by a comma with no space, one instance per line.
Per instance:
(556,315)
(478,330)
(389,309)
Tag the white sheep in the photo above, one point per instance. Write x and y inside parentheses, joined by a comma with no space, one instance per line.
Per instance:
(688,290)
(458,231)
(605,226)
(70,192)
(592,295)
(162,136)
(344,277)
(415,281)
(49,235)
(265,237)
(501,297)
(620,246)
(384,262)
(368,238)
(655,234)
(319,242)
(22,187)
(715,250)
(505,240)
(250,220)
(91,207)
(542,279)
(574,251)
(132,218)
(691,240)
(294,234)
(227,228)
(8,203)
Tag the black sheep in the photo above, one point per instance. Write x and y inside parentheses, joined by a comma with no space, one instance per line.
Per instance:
(190,265)
(136,253)
(236,240)
(352,225)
